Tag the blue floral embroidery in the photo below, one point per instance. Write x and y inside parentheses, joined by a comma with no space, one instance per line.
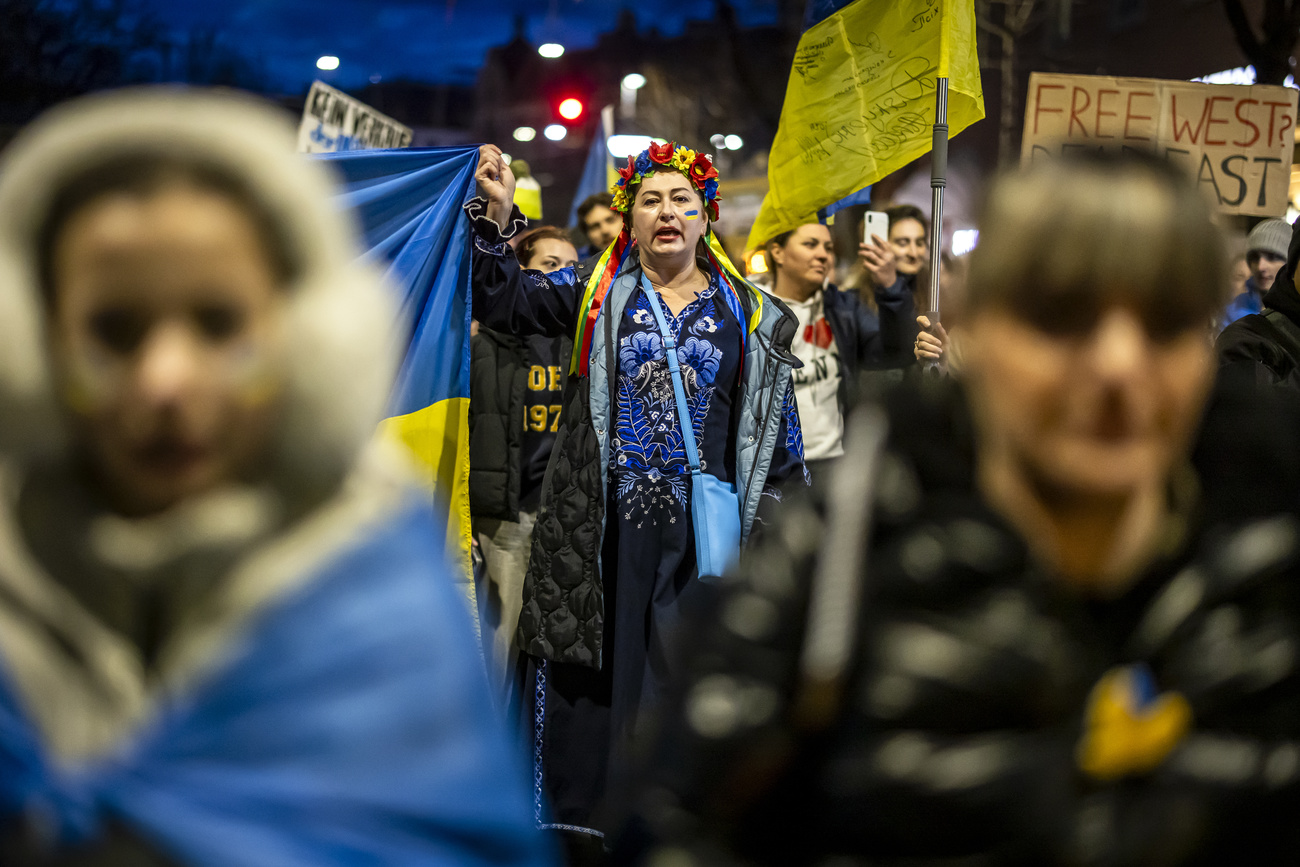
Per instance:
(793,432)
(650,463)
(700,356)
(637,350)
(704,325)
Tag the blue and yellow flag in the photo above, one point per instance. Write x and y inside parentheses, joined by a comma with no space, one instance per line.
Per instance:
(861,99)
(409,204)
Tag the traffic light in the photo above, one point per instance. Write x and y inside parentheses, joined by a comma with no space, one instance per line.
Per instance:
(571,108)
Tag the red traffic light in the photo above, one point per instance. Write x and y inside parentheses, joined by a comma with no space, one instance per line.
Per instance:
(571,109)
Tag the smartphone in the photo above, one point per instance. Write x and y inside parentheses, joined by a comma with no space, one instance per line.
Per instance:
(875,223)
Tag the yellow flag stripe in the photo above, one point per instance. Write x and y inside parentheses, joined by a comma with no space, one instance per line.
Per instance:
(438,438)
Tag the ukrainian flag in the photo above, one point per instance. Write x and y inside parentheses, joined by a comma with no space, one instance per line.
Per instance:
(409,204)
(861,99)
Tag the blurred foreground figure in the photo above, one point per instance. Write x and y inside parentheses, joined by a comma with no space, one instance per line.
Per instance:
(1017,627)
(225,635)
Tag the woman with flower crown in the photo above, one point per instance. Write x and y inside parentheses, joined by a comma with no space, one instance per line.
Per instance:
(614,552)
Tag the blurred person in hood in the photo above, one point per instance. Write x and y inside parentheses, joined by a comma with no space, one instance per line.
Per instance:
(226,632)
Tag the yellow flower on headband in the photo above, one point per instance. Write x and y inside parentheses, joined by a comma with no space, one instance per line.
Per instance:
(697,167)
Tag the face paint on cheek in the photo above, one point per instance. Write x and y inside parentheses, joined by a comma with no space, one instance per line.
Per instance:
(91,380)
(692,215)
(253,374)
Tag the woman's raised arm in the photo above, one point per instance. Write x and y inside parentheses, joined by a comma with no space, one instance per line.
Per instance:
(508,297)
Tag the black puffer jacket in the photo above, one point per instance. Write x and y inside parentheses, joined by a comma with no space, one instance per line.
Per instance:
(563,614)
(870,341)
(950,732)
(498,374)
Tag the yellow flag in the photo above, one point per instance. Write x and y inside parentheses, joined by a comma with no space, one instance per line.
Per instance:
(860,102)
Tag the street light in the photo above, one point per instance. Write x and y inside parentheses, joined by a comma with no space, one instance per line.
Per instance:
(555,132)
(328,61)
(623,146)
(550,50)
(964,240)
(525,133)
(734,142)
(719,141)
(634,81)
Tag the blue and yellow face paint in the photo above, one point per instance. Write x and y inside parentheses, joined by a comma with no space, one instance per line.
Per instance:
(692,215)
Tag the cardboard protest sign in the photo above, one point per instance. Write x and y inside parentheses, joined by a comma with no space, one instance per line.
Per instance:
(1235,140)
(333,121)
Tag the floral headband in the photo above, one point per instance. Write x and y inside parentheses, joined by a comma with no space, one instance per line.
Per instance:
(697,167)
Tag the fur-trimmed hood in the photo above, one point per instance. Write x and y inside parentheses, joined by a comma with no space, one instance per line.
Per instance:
(341,355)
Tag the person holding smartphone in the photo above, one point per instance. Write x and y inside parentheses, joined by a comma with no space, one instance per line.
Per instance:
(838,336)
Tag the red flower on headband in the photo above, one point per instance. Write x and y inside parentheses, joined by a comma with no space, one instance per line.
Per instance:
(702,170)
(661,153)
(712,208)
(626,172)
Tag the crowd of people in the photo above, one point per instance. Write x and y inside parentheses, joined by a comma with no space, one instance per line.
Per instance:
(795,575)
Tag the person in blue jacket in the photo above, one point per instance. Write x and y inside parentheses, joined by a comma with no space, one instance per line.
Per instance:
(838,335)
(227,636)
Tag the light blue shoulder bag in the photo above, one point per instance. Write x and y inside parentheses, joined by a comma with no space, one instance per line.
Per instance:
(715,507)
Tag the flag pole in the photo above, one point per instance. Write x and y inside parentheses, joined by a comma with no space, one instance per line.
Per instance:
(938,181)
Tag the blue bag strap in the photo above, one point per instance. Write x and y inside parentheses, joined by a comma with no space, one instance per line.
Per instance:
(670,349)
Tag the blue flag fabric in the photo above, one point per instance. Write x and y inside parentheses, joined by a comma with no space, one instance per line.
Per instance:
(409,204)
(595,171)
(347,723)
(861,197)
(817,11)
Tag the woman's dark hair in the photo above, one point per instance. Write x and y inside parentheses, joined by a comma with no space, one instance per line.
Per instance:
(907,212)
(1061,239)
(526,246)
(780,241)
(142,175)
(589,204)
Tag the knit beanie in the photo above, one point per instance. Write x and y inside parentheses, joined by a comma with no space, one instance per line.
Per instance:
(1271,236)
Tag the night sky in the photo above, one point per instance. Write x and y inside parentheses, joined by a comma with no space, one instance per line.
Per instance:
(424,40)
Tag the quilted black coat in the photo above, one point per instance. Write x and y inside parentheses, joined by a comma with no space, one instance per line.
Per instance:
(951,732)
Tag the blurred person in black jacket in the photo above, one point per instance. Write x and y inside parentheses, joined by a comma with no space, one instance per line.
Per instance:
(1034,617)
(1264,348)
(515,385)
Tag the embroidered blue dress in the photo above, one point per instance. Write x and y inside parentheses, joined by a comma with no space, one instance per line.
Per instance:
(582,720)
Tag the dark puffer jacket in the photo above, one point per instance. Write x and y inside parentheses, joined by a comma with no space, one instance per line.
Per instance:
(504,460)
(946,728)
(868,341)
(498,374)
